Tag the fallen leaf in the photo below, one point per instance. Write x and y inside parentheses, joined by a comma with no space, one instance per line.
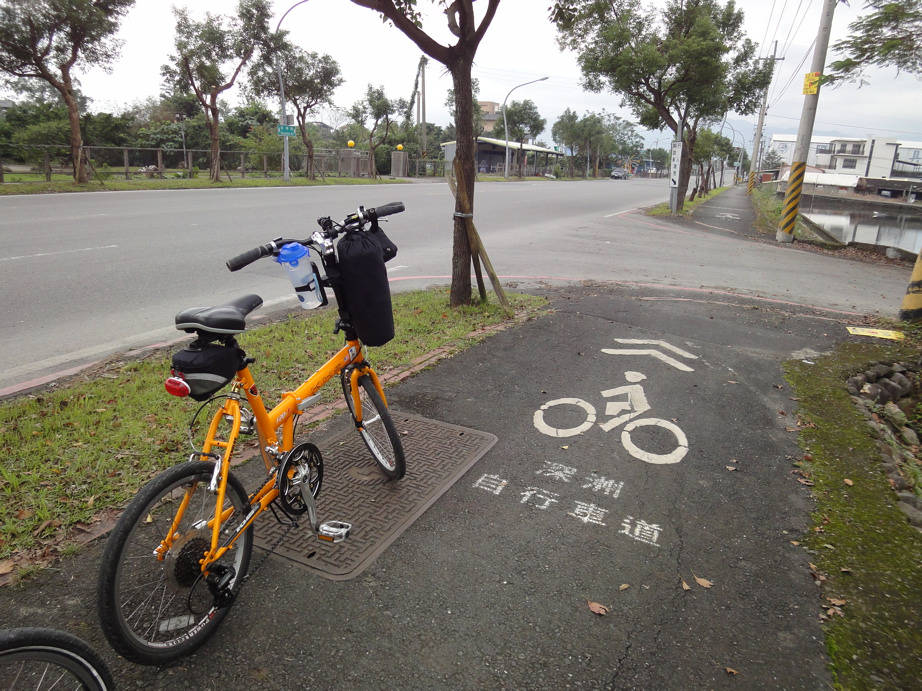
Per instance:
(835,601)
(848,482)
(782,413)
(703,582)
(6,566)
(23,514)
(730,670)
(624,586)
(795,543)
(805,482)
(731,467)
(564,447)
(685,586)
(730,381)
(601,610)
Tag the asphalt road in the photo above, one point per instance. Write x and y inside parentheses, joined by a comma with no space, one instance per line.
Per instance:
(87,275)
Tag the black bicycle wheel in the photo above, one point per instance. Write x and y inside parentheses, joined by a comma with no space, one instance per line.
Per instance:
(37,659)
(377,428)
(156,610)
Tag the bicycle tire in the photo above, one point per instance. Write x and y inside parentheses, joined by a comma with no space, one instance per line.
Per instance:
(377,428)
(154,611)
(37,658)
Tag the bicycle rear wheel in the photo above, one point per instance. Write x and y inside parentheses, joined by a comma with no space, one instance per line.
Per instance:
(35,658)
(377,428)
(156,610)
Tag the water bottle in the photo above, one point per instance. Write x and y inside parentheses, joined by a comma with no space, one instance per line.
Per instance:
(296,258)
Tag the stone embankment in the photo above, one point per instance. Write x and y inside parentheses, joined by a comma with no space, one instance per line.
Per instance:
(888,395)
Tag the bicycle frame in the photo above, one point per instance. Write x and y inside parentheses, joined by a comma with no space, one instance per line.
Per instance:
(275,431)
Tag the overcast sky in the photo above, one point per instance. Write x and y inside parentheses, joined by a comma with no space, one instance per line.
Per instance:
(520,46)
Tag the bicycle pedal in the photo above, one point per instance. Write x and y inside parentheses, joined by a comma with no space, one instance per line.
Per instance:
(334,531)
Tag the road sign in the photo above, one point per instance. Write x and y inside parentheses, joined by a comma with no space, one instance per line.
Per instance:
(811,83)
(287,131)
(675,163)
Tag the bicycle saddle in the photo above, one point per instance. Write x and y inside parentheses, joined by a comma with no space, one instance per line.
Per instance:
(229,318)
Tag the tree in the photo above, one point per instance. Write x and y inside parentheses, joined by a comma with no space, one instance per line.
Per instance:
(524,121)
(51,39)
(565,132)
(459,59)
(891,35)
(210,56)
(381,110)
(680,67)
(309,80)
(772,160)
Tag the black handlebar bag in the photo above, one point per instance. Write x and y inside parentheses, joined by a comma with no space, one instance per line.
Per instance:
(365,286)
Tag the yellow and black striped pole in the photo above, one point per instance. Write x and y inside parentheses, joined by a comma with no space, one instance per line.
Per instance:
(791,202)
(911,309)
(752,182)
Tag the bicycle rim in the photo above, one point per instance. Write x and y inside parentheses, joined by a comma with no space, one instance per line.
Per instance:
(38,659)
(377,430)
(156,610)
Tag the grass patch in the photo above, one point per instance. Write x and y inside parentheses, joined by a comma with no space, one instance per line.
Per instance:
(199,183)
(861,544)
(689,208)
(85,447)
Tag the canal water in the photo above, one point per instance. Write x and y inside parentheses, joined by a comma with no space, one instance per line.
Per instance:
(883,225)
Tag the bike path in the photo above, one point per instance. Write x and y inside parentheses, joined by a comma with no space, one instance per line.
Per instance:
(491,587)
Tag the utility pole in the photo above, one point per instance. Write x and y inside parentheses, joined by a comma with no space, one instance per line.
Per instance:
(805,132)
(422,100)
(757,143)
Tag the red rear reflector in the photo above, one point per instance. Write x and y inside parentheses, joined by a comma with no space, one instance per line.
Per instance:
(177,386)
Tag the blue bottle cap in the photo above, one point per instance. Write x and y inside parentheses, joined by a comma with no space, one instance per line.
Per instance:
(292,253)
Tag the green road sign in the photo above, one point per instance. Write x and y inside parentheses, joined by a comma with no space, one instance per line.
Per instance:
(287,131)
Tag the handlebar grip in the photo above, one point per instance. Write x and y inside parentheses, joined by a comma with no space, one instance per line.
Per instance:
(250,256)
(387,210)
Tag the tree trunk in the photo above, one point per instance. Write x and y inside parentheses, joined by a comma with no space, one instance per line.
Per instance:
(211,119)
(465,151)
(76,138)
(309,147)
(685,169)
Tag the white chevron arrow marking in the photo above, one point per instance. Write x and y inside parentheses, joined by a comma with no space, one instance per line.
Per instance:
(653,353)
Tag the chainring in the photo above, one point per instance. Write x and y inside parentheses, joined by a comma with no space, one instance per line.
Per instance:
(302,464)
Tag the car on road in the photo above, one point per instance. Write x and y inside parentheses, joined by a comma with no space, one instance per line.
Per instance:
(619,174)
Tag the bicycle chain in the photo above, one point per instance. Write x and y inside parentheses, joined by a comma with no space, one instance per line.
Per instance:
(291,526)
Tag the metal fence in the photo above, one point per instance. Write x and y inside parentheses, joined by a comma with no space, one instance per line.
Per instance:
(107,162)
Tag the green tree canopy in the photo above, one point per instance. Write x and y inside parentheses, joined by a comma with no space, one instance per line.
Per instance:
(889,35)
(384,114)
(51,39)
(524,121)
(209,57)
(309,80)
(680,66)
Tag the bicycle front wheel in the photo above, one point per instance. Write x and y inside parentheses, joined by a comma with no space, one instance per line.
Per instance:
(377,428)
(156,607)
(37,659)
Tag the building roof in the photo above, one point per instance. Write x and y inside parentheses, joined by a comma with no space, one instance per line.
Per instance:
(513,145)
(832,179)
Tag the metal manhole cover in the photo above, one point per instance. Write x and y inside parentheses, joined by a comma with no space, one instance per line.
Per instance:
(354,490)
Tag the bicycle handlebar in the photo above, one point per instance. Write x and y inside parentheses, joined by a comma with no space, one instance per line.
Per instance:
(353,221)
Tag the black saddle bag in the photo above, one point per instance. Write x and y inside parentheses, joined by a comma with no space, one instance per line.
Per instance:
(207,368)
(367,293)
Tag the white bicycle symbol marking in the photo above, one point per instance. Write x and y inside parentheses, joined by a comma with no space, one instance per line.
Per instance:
(635,401)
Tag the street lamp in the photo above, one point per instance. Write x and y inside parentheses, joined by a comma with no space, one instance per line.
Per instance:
(506,126)
(182,130)
(286,170)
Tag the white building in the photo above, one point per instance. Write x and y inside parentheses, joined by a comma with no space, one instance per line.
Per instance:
(866,157)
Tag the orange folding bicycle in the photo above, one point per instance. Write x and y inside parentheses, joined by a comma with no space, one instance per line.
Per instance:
(180,552)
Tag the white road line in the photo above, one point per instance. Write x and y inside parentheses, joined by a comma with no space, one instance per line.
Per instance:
(54,254)
(619,213)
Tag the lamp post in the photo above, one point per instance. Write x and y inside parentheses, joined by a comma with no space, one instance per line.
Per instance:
(182,130)
(506,126)
(286,170)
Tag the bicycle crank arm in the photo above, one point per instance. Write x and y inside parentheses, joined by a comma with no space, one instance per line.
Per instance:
(331,531)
